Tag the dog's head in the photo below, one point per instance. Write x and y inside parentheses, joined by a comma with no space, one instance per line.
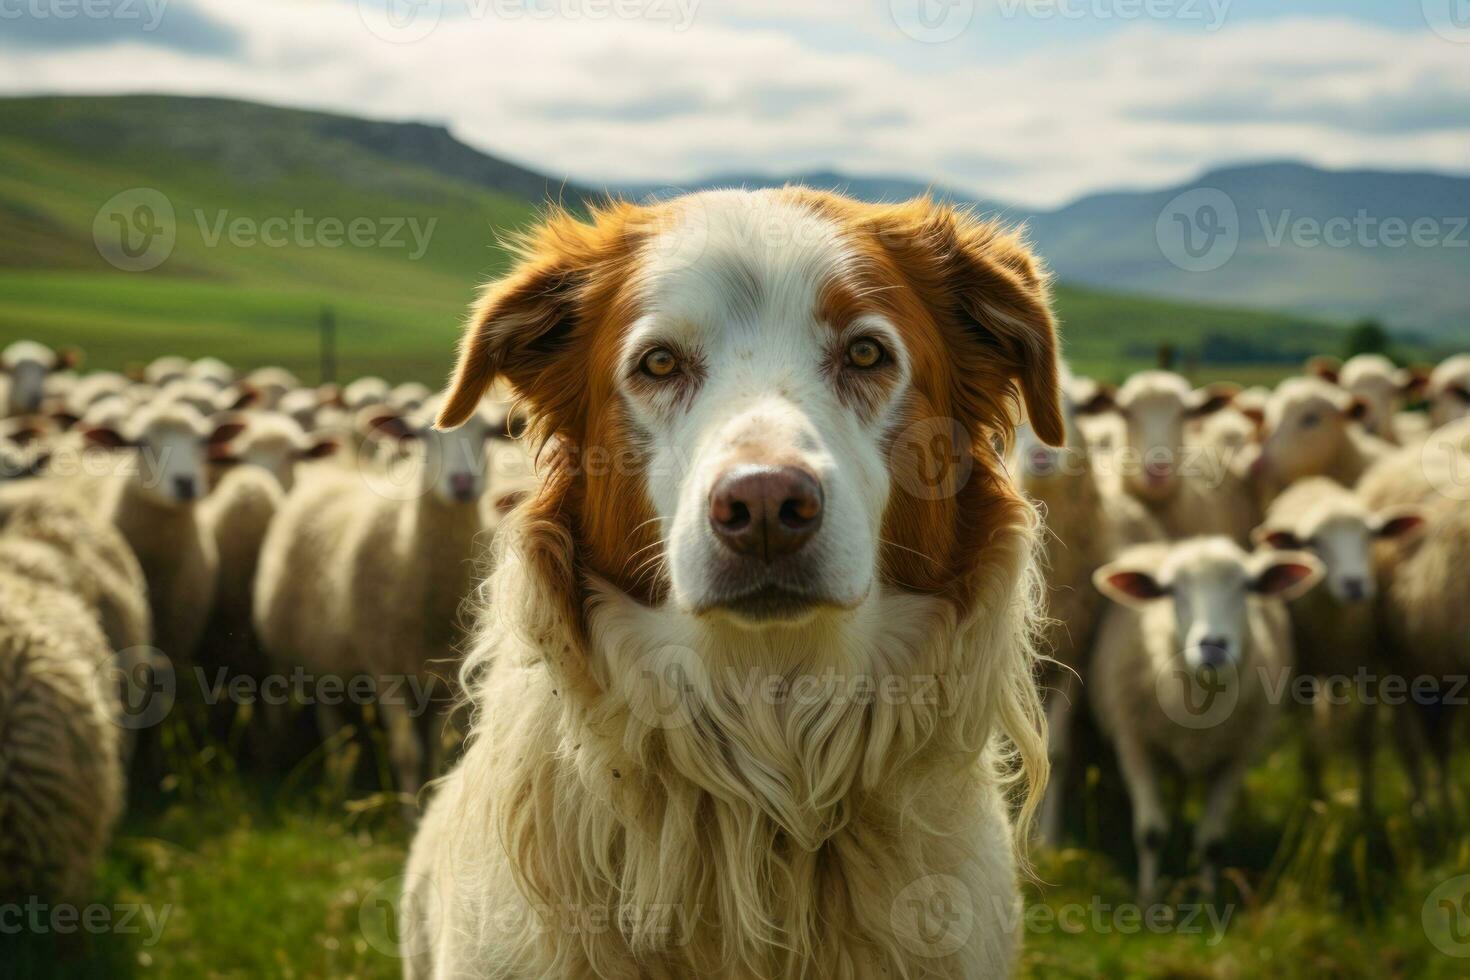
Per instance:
(767,407)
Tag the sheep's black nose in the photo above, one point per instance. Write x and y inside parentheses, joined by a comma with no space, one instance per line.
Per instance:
(1214,651)
(1354,590)
(765,512)
(185,488)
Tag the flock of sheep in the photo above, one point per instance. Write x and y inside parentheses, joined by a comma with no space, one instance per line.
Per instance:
(1207,549)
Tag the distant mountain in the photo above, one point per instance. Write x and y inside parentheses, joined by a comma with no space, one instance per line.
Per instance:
(862,188)
(1267,243)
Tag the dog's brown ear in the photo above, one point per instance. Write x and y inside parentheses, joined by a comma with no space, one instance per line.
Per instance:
(526,327)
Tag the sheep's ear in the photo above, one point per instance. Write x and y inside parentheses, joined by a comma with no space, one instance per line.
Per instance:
(1414,379)
(224,430)
(391,425)
(105,437)
(1276,538)
(67,358)
(1325,367)
(1256,414)
(1128,586)
(320,449)
(66,420)
(25,433)
(1400,523)
(1357,409)
(1102,398)
(241,398)
(1212,398)
(1287,575)
(37,465)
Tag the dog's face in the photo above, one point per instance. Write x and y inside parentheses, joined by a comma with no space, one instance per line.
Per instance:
(767,406)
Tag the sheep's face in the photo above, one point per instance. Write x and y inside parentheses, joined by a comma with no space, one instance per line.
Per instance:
(1208,583)
(1156,406)
(1379,396)
(766,404)
(1344,544)
(275,452)
(1042,467)
(454,464)
(26,365)
(170,450)
(1449,392)
(1305,428)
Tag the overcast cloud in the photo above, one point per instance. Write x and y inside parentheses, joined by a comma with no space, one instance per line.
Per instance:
(1008,102)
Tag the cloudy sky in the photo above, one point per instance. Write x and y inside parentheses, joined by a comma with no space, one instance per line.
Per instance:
(1026,101)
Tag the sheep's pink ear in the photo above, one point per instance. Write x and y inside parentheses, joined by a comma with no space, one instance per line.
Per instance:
(104,437)
(66,358)
(1275,538)
(1128,586)
(1212,398)
(1400,523)
(25,434)
(1324,367)
(1256,414)
(1287,575)
(320,449)
(224,431)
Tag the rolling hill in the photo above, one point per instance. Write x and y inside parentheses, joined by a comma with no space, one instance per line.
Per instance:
(137,226)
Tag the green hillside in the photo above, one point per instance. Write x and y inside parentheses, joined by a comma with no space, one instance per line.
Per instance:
(264,202)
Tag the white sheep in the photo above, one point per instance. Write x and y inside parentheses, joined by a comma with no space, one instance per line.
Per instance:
(409,397)
(1311,428)
(364,573)
(267,386)
(61,754)
(1189,488)
(1183,671)
(1424,602)
(363,392)
(1448,391)
(212,371)
(1085,524)
(24,368)
(1335,627)
(162,370)
(154,505)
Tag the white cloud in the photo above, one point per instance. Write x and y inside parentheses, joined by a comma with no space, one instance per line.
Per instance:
(619,98)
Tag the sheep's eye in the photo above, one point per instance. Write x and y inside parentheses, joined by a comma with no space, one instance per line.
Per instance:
(659,363)
(865,353)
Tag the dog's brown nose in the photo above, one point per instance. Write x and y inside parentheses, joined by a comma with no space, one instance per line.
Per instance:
(765,512)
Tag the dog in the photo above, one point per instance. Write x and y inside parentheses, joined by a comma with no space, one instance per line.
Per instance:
(753,683)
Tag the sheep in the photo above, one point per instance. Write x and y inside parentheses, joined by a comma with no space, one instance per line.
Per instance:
(24,367)
(1335,628)
(1188,489)
(1423,603)
(95,388)
(1448,391)
(268,385)
(364,392)
(259,469)
(212,371)
(409,397)
(162,370)
(154,506)
(359,575)
(1311,429)
(1085,525)
(61,745)
(204,397)
(1182,671)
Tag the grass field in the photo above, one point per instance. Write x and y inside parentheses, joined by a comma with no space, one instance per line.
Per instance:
(239,877)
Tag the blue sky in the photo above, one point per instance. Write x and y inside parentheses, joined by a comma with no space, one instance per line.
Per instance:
(1026,101)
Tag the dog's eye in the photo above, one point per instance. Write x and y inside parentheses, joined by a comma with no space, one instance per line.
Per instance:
(866,353)
(659,363)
